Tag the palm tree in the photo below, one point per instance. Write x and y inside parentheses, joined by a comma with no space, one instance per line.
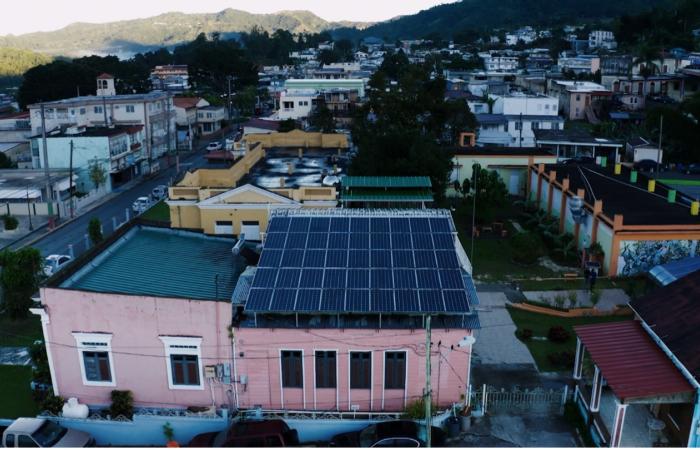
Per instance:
(647,58)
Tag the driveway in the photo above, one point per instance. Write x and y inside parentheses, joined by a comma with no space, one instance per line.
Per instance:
(495,341)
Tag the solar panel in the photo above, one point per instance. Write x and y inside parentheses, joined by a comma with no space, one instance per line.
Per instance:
(405,279)
(446,259)
(315,258)
(317,240)
(299,225)
(296,240)
(320,224)
(379,225)
(338,240)
(311,278)
(359,225)
(407,300)
(456,300)
(265,278)
(451,279)
(423,241)
(337,258)
(401,241)
(443,241)
(288,278)
(400,225)
(308,300)
(283,300)
(340,224)
(431,301)
(381,279)
(402,258)
(440,225)
(358,279)
(333,300)
(380,241)
(292,258)
(358,258)
(383,300)
(270,258)
(420,225)
(259,299)
(380,258)
(357,300)
(427,279)
(334,278)
(279,224)
(425,259)
(359,240)
(275,240)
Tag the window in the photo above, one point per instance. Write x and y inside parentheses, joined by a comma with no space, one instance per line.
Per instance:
(518,125)
(578,98)
(185,370)
(325,369)
(183,358)
(98,110)
(291,369)
(95,358)
(360,370)
(535,125)
(82,111)
(97,366)
(25,441)
(394,370)
(9,440)
(130,108)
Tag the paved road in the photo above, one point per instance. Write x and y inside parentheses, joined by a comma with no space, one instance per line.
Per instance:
(57,242)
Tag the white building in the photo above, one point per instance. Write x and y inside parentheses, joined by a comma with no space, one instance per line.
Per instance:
(154,111)
(515,117)
(209,119)
(602,39)
(525,34)
(296,103)
(170,78)
(579,64)
(497,62)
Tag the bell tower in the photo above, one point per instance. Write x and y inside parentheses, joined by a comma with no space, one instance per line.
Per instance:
(105,85)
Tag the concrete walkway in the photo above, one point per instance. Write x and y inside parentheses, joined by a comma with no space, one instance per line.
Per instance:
(609,298)
(495,341)
(15,356)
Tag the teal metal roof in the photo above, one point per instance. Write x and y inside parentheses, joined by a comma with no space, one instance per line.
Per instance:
(388,196)
(163,263)
(387,182)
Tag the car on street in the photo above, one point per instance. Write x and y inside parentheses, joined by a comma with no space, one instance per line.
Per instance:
(394,433)
(141,204)
(54,263)
(214,146)
(250,433)
(159,192)
(32,432)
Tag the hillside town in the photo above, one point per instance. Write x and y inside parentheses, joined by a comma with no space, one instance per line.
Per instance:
(468,239)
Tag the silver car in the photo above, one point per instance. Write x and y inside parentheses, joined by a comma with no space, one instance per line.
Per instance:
(31,432)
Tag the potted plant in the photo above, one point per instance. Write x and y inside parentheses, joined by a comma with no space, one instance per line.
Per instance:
(465,418)
(169,435)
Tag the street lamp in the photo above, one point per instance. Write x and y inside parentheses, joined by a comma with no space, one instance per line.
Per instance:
(29,211)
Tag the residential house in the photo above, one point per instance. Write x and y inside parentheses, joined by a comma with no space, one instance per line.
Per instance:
(579,100)
(296,104)
(15,131)
(656,403)
(602,39)
(153,111)
(638,149)
(186,119)
(498,62)
(525,34)
(321,85)
(23,192)
(170,78)
(209,119)
(638,222)
(577,143)
(581,64)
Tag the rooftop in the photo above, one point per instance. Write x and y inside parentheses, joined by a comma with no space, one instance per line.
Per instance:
(665,274)
(386,182)
(95,131)
(574,137)
(673,314)
(282,168)
(497,151)
(620,196)
(161,262)
(150,96)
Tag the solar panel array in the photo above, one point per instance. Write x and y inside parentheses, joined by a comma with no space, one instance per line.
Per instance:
(359,264)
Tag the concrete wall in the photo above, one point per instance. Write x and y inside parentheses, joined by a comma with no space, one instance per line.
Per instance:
(298,138)
(261,364)
(86,151)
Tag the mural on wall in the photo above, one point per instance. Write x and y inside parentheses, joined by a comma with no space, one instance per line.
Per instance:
(640,256)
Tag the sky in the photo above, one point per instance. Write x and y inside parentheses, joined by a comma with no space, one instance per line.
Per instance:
(45,15)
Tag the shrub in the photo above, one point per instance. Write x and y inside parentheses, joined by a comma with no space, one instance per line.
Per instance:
(559,300)
(52,404)
(573,299)
(95,231)
(527,247)
(416,409)
(122,404)
(11,223)
(558,334)
(525,334)
(595,297)
(562,359)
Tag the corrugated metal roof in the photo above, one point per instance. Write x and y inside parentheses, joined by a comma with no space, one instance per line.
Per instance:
(388,196)
(384,182)
(163,263)
(666,274)
(630,361)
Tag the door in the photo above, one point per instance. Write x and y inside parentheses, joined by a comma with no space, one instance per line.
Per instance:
(223,227)
(251,229)
(514,185)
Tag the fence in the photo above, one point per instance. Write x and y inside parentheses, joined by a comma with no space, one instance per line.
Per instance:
(493,400)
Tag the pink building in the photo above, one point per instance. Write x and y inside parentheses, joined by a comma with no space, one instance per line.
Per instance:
(331,318)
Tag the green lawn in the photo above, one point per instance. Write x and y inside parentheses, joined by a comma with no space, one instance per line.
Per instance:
(15,394)
(19,333)
(160,212)
(540,325)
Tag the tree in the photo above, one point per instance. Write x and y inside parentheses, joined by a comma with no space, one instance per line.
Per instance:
(490,194)
(95,231)
(322,119)
(647,58)
(97,174)
(287,126)
(21,273)
(245,99)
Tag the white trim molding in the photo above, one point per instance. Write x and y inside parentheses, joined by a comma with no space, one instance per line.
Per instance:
(180,345)
(45,321)
(95,342)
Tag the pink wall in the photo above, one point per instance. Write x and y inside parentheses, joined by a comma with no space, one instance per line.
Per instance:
(260,348)
(138,354)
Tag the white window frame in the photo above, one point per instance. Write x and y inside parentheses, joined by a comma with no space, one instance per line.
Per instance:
(85,342)
(178,345)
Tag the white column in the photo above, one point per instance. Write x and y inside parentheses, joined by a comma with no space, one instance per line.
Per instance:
(618,423)
(578,362)
(596,392)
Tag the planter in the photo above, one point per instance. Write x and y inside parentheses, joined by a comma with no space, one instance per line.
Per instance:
(453,427)
(465,422)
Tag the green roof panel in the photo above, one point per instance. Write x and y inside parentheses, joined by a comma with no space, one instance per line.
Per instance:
(413,195)
(386,182)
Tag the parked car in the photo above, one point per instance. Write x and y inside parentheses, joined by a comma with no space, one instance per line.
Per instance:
(662,99)
(141,204)
(693,168)
(250,433)
(646,165)
(395,433)
(214,146)
(31,432)
(54,263)
(159,192)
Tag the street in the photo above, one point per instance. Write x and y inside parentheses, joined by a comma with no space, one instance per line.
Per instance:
(73,233)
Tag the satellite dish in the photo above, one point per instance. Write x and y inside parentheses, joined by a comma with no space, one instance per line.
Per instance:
(467,341)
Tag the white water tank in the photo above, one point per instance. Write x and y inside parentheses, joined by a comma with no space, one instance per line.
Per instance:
(74,410)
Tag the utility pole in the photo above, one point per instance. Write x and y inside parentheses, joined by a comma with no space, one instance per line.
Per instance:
(49,200)
(428,388)
(520,142)
(29,211)
(70,178)
(658,153)
(104,109)
(230,104)
(476,168)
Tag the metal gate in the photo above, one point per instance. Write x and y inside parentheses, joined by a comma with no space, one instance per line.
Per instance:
(492,400)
